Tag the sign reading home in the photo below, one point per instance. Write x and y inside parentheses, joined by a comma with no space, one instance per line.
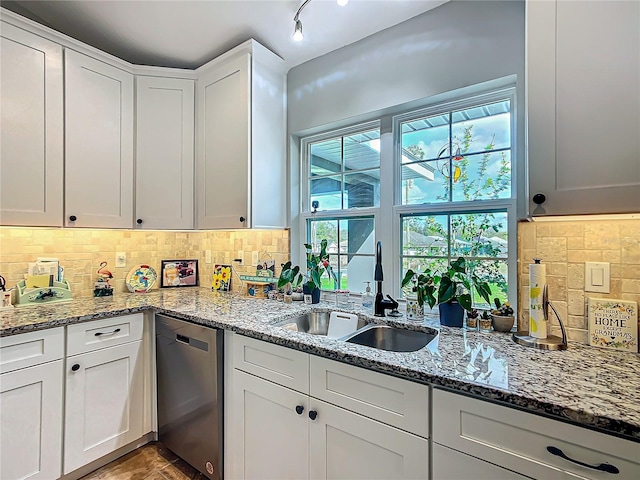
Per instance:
(613,324)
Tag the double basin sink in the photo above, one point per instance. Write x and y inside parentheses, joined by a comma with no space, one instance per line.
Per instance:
(383,337)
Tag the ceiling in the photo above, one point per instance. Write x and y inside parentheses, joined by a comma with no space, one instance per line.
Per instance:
(187,34)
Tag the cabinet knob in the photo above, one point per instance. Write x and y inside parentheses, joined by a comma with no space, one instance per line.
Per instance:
(75,367)
(139,221)
(242,219)
(313,414)
(72,218)
(539,198)
(299,409)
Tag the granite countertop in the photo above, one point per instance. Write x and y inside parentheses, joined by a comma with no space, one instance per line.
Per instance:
(589,386)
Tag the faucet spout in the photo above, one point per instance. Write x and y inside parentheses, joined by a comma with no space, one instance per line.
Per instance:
(381,303)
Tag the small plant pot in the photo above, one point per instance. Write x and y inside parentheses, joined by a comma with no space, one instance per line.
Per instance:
(502,323)
(451,314)
(415,311)
(315,294)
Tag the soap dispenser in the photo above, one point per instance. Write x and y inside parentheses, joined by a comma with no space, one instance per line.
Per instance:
(367,299)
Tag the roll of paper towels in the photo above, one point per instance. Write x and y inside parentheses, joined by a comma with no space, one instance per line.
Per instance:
(537,281)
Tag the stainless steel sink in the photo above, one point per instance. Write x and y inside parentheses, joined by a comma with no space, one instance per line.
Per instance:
(314,323)
(389,338)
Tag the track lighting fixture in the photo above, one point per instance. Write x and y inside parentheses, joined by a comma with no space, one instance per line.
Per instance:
(297,33)
(342,3)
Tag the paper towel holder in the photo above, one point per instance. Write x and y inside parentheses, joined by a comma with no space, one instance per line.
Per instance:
(552,342)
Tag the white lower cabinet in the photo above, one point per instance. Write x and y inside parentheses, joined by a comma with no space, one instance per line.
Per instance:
(285,432)
(531,445)
(104,403)
(271,437)
(449,464)
(345,445)
(31,422)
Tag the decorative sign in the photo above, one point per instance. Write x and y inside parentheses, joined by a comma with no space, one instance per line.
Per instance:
(221,278)
(613,324)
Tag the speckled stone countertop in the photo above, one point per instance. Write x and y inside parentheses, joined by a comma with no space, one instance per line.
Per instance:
(585,385)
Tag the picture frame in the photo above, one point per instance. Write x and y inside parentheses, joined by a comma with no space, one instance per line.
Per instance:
(178,273)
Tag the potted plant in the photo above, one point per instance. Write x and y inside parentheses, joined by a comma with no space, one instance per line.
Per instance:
(453,288)
(502,316)
(311,281)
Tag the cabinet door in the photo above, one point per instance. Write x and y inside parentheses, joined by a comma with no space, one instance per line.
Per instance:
(31,137)
(164,152)
(99,143)
(223,165)
(104,403)
(583,100)
(345,445)
(452,465)
(31,422)
(270,438)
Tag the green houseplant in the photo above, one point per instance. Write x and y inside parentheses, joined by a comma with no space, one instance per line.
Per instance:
(451,290)
(311,281)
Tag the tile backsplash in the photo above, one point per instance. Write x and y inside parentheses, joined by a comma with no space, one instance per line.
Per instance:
(565,246)
(80,251)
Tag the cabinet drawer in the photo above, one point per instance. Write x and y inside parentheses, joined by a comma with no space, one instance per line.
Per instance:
(518,440)
(90,336)
(448,464)
(33,348)
(390,400)
(281,365)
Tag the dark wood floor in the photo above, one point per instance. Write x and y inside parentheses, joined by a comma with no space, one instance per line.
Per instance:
(151,462)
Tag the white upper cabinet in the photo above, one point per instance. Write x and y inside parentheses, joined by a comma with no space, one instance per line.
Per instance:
(31,137)
(164,152)
(583,104)
(241,158)
(99,143)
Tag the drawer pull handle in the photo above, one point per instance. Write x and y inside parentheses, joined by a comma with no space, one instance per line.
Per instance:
(101,334)
(603,467)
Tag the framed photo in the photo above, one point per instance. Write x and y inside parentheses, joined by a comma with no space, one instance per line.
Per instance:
(179,273)
(266,268)
(221,278)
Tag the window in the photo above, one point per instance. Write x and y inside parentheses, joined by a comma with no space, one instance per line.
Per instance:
(343,182)
(441,188)
(455,184)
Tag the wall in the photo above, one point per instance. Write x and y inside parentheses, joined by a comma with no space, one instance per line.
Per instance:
(450,47)
(81,250)
(564,247)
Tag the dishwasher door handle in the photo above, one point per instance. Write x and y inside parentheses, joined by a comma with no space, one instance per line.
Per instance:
(192,342)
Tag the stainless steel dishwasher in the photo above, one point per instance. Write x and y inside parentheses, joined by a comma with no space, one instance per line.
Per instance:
(190,396)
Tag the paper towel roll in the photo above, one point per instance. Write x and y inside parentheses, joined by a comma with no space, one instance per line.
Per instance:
(537,281)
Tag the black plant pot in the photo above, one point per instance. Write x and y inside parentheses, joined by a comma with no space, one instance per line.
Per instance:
(315,293)
(451,314)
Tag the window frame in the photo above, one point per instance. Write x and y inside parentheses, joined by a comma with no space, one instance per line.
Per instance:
(387,216)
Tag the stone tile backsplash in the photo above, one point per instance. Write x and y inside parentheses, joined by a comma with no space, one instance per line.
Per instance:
(81,250)
(565,246)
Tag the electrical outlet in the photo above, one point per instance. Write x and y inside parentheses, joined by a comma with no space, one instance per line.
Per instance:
(240,256)
(121,259)
(254,258)
(207,256)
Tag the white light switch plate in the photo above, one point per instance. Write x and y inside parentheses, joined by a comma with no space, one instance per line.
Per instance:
(597,277)
(207,256)
(121,259)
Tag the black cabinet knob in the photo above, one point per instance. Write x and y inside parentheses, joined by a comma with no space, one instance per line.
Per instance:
(72,218)
(139,221)
(299,409)
(313,414)
(75,367)
(242,219)
(539,198)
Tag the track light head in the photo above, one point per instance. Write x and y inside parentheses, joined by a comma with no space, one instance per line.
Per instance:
(297,34)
